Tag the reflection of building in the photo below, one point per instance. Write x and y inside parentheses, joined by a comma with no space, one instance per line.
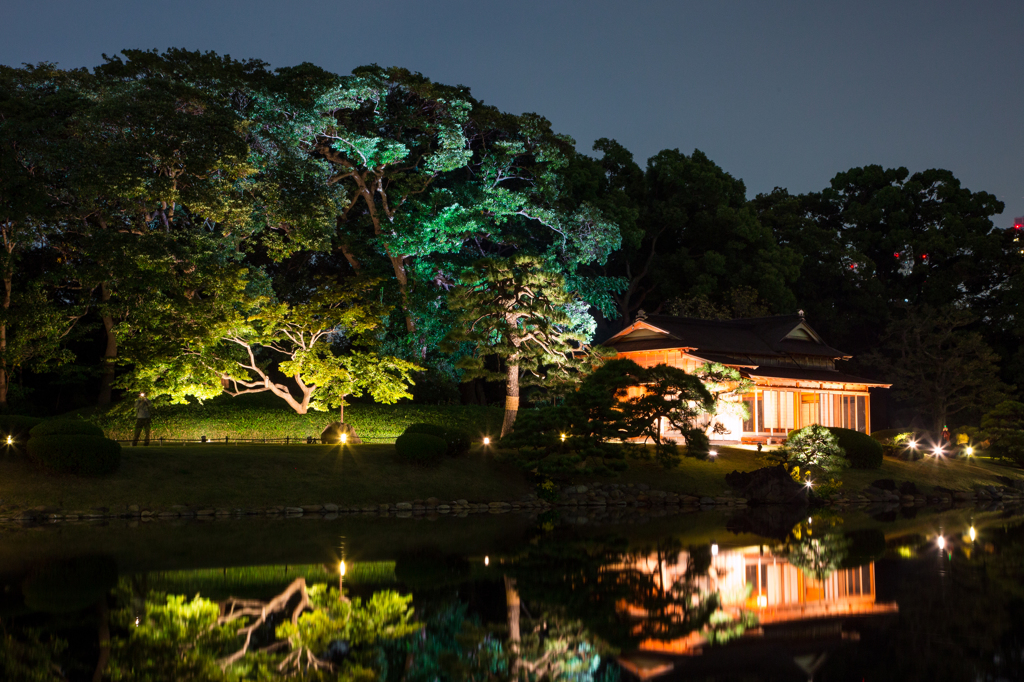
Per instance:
(796,612)
(795,378)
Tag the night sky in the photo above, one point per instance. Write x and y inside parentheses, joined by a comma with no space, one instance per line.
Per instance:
(777,93)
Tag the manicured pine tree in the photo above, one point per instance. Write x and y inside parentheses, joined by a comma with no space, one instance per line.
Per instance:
(514,309)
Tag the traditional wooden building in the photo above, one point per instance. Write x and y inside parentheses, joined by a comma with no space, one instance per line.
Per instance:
(796,382)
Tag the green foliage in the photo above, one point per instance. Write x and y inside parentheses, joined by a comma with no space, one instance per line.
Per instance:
(75,454)
(587,433)
(515,310)
(32,656)
(263,416)
(813,447)
(65,427)
(17,426)
(171,637)
(420,448)
(1003,428)
(938,366)
(457,440)
(863,451)
(818,548)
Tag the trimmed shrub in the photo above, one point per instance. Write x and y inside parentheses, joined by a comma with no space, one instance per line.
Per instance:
(813,447)
(457,440)
(863,451)
(420,448)
(76,454)
(17,426)
(66,427)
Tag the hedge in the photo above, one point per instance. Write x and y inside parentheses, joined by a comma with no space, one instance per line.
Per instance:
(268,417)
(17,426)
(863,451)
(420,448)
(457,440)
(66,427)
(75,454)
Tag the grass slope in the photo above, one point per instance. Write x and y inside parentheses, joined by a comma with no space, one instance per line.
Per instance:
(241,476)
(261,476)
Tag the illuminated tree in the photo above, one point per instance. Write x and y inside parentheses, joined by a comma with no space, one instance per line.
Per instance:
(514,310)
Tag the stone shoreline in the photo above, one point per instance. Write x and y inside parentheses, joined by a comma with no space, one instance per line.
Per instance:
(591,498)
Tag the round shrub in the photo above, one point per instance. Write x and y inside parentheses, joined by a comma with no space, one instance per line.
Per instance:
(863,451)
(66,427)
(456,440)
(74,454)
(17,426)
(420,448)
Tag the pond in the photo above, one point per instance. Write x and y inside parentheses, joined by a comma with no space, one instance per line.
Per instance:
(758,594)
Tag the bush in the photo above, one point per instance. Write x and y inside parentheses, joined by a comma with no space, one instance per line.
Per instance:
(815,447)
(863,451)
(420,448)
(1003,427)
(17,426)
(66,427)
(457,440)
(87,455)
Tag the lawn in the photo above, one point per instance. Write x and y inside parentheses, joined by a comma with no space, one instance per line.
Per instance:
(259,476)
(241,476)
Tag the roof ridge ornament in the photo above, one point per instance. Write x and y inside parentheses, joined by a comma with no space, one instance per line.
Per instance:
(800,313)
(641,315)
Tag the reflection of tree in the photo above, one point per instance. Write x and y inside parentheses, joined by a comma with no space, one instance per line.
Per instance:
(31,656)
(305,629)
(818,552)
(612,591)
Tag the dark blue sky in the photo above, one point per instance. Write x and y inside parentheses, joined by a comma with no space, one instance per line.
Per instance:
(777,93)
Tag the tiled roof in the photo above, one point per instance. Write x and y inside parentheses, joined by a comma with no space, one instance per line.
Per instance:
(809,375)
(764,336)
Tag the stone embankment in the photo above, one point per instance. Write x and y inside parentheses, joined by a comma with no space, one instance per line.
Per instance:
(605,496)
(591,501)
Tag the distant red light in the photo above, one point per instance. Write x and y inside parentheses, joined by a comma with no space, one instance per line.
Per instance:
(896,255)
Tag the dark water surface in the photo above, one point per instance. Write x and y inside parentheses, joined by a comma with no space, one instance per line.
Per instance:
(755,595)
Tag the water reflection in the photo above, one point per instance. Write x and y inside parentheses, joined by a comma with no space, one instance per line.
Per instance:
(694,597)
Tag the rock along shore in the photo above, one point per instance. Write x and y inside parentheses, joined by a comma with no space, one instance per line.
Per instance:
(591,501)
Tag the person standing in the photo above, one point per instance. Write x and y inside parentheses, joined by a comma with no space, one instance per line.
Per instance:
(143,418)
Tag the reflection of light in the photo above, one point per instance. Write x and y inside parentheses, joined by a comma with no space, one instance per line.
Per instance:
(714,549)
(973,534)
(344,438)
(487,561)
(940,542)
(487,441)
(762,601)
(341,567)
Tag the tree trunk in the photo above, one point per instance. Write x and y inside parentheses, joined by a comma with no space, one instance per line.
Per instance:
(398,262)
(511,400)
(512,604)
(341,411)
(5,377)
(103,615)
(110,355)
